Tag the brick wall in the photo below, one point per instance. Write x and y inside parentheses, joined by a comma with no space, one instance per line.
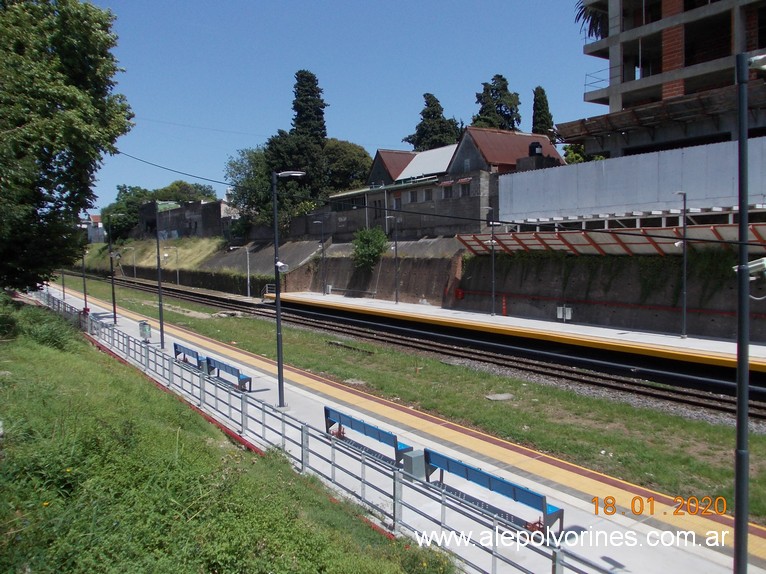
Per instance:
(672,59)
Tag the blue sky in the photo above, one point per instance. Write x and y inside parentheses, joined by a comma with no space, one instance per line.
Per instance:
(206,79)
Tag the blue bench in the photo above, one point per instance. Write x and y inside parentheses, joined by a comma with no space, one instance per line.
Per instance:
(185,353)
(550,514)
(242,382)
(333,417)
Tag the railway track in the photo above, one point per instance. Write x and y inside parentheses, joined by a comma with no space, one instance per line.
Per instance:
(363,330)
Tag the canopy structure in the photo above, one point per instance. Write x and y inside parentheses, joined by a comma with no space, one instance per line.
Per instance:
(640,241)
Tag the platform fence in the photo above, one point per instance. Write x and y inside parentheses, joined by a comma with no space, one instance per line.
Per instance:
(398,501)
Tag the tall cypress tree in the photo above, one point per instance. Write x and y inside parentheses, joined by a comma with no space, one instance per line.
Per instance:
(309,106)
(542,120)
(434,130)
(498,106)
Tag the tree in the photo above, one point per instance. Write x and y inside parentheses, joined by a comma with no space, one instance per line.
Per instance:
(542,120)
(183,191)
(309,106)
(594,22)
(251,189)
(575,153)
(498,106)
(434,130)
(58,116)
(348,165)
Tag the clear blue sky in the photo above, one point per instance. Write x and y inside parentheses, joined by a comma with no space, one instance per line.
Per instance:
(206,79)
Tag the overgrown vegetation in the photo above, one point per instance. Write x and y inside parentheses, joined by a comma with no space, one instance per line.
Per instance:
(102,472)
(369,244)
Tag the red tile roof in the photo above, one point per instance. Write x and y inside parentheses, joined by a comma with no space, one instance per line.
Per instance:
(500,147)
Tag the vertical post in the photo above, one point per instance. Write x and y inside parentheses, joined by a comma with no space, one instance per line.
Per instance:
(247,255)
(397,500)
(396,258)
(159,271)
(111,266)
(63,285)
(304,448)
(243,413)
(277,294)
(742,456)
(684,298)
(84,287)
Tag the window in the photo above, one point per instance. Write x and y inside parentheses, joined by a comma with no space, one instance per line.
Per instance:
(466,165)
(413,196)
(465,189)
(397,203)
(447,192)
(428,194)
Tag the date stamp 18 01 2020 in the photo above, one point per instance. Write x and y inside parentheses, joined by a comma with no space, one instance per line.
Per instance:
(645,506)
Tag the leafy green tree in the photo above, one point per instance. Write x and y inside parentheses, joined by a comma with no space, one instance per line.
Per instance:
(575,153)
(434,130)
(369,244)
(593,21)
(542,120)
(183,191)
(58,116)
(498,106)
(251,189)
(348,165)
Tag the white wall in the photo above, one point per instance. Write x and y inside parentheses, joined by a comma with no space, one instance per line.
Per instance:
(646,182)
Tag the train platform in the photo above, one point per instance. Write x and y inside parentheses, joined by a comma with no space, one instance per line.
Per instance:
(617,537)
(717,352)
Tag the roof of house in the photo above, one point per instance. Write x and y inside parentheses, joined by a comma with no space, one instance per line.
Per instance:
(395,161)
(430,162)
(95,218)
(501,147)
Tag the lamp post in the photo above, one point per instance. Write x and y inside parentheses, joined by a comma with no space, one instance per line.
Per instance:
(324,268)
(742,455)
(166,255)
(63,285)
(277,295)
(247,257)
(111,263)
(159,271)
(396,257)
(684,266)
(491,223)
(85,309)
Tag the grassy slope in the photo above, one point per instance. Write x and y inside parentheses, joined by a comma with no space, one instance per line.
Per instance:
(100,471)
(653,449)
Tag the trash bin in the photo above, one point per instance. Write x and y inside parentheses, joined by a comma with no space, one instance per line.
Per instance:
(328,290)
(145,330)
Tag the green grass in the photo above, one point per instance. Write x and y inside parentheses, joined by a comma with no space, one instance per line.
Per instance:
(100,471)
(671,454)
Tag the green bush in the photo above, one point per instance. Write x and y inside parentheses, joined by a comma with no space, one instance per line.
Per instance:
(369,245)
(45,328)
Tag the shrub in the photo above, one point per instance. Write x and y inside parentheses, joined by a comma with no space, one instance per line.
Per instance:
(369,245)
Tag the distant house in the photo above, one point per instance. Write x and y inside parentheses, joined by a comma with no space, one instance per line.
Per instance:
(186,219)
(439,192)
(94,227)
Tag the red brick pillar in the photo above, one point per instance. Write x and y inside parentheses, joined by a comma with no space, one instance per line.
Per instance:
(672,49)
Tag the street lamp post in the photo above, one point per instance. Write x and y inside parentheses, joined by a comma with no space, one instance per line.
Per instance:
(111,264)
(396,257)
(277,291)
(742,455)
(159,271)
(491,223)
(178,276)
(684,266)
(324,268)
(85,309)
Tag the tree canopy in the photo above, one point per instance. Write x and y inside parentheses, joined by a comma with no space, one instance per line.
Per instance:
(498,106)
(593,21)
(542,120)
(58,116)
(434,130)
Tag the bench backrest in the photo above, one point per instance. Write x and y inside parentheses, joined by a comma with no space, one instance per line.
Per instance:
(179,349)
(384,436)
(491,482)
(216,364)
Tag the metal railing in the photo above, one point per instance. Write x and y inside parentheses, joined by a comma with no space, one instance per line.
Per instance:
(401,502)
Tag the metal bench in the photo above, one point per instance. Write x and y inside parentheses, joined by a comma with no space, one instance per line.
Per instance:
(242,382)
(186,352)
(333,416)
(549,514)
